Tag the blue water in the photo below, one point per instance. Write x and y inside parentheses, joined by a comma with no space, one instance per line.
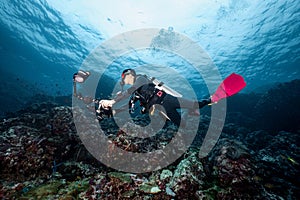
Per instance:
(43,43)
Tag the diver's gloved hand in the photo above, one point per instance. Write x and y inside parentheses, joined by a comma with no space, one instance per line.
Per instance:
(107,103)
(102,113)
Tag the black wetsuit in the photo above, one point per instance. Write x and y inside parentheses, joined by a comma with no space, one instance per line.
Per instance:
(148,96)
(171,103)
(140,80)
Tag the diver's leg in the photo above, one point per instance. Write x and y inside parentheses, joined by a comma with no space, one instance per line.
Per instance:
(189,104)
(170,104)
(193,106)
(173,115)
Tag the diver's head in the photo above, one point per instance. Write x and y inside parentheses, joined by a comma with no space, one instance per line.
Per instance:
(128,77)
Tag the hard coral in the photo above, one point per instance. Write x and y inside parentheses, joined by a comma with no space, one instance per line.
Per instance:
(233,170)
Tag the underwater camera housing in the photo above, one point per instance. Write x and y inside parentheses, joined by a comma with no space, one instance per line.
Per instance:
(103,113)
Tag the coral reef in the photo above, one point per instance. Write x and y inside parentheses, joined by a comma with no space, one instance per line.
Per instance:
(233,168)
(276,109)
(42,157)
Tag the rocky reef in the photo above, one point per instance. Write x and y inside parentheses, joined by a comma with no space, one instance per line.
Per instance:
(274,110)
(42,157)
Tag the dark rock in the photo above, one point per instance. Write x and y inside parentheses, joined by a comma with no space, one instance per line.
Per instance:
(188,177)
(278,109)
(258,140)
(278,164)
(232,167)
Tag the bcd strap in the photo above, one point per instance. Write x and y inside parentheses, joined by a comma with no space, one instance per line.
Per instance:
(161,84)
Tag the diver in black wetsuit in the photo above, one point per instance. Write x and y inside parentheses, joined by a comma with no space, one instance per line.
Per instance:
(148,95)
(150,92)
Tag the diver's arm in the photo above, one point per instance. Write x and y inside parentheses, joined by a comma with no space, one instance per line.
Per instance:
(140,80)
(123,95)
(120,109)
(120,96)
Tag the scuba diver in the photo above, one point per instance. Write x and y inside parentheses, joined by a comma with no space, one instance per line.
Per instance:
(149,92)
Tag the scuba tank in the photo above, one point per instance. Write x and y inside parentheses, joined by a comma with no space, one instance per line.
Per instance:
(161,86)
(149,94)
